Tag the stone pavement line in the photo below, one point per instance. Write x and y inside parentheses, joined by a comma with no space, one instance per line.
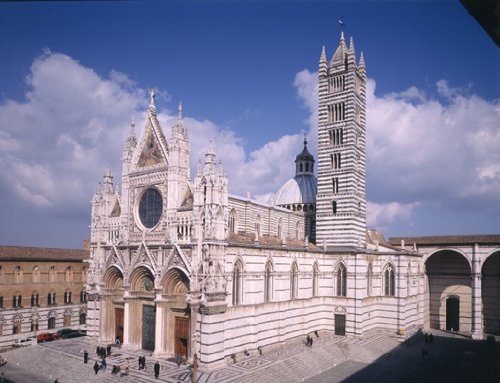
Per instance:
(63,359)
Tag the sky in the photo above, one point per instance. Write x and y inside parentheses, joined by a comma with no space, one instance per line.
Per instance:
(74,74)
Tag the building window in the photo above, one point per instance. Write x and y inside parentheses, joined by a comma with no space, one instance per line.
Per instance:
(232,222)
(83,296)
(51,323)
(315,280)
(35,275)
(336,137)
(335,185)
(68,275)
(34,299)
(17,301)
(389,281)
(150,208)
(280,228)
(1,302)
(336,112)
(297,231)
(34,325)
(67,296)
(268,282)
(83,318)
(237,283)
(335,84)
(369,280)
(257,226)
(52,274)
(51,298)
(336,161)
(334,207)
(341,281)
(294,281)
(18,275)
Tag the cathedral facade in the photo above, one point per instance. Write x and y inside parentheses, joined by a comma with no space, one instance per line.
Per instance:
(180,267)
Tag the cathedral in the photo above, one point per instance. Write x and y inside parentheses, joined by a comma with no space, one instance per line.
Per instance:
(178,266)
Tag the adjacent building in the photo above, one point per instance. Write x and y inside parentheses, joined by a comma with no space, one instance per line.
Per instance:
(41,290)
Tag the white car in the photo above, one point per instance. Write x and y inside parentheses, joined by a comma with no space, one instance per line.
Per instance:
(24,342)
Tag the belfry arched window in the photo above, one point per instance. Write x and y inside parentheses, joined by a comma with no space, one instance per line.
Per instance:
(237,283)
(341,280)
(389,281)
(18,275)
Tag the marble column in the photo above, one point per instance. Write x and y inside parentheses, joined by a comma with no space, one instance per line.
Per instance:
(160,326)
(477,303)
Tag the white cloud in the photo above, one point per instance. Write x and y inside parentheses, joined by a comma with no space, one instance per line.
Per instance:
(379,216)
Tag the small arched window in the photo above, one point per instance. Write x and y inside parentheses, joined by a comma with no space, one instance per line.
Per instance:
(237,283)
(280,228)
(294,281)
(232,221)
(68,275)
(18,275)
(369,279)
(389,281)
(341,277)
(257,226)
(52,274)
(268,282)
(315,280)
(35,275)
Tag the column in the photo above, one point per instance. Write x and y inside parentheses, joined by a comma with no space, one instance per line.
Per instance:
(126,323)
(106,319)
(160,326)
(477,314)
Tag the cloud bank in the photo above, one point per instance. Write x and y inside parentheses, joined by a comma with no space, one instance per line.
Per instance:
(424,151)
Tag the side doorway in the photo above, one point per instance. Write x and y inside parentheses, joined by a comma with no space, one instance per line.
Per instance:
(340,324)
(453,314)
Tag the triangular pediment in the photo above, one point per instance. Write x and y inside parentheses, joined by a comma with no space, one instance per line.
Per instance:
(187,200)
(150,149)
(116,211)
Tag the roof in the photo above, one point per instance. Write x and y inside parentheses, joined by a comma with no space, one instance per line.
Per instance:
(480,239)
(19,253)
(300,189)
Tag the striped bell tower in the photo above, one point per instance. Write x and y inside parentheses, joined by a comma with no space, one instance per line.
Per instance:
(341,198)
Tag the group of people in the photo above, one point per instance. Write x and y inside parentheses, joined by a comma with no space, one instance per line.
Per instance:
(309,339)
(102,352)
(429,338)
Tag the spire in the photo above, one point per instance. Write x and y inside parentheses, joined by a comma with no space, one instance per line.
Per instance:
(210,155)
(338,58)
(351,54)
(361,61)
(322,63)
(132,128)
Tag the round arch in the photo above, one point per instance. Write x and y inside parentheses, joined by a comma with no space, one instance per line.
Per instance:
(113,278)
(141,279)
(175,282)
(448,274)
(490,293)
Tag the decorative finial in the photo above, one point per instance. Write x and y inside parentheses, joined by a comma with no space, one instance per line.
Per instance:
(305,140)
(152,93)
(342,25)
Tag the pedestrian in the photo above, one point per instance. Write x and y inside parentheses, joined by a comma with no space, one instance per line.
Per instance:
(157,369)
(144,362)
(311,341)
(108,349)
(98,351)
(431,338)
(96,367)
(316,333)
(103,364)
(426,336)
(178,359)
(85,356)
(140,362)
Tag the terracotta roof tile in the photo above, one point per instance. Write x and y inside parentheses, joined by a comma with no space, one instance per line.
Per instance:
(20,253)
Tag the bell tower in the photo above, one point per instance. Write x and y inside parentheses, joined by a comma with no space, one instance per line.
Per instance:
(341,198)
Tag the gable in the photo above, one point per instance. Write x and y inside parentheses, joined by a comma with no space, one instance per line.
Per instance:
(150,149)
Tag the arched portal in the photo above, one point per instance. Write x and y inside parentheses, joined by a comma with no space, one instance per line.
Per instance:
(142,309)
(449,294)
(491,294)
(111,306)
(174,315)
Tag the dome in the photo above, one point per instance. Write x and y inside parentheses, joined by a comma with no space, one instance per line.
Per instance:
(300,189)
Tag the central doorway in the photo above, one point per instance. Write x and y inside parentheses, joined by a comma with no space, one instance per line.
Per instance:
(181,336)
(453,314)
(148,327)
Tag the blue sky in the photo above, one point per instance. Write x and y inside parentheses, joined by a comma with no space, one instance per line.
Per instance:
(73,74)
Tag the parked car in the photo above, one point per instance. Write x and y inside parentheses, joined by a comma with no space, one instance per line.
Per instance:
(70,333)
(46,337)
(24,342)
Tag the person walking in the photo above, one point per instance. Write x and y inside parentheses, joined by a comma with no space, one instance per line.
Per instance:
(104,364)
(157,369)
(85,356)
(140,362)
(96,367)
